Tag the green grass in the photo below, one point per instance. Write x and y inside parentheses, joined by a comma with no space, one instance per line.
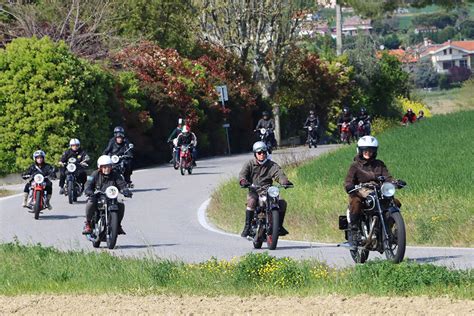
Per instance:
(35,269)
(445,101)
(434,157)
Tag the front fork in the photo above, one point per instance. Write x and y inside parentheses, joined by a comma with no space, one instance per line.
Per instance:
(385,236)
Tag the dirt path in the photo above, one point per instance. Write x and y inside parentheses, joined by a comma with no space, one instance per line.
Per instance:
(164,304)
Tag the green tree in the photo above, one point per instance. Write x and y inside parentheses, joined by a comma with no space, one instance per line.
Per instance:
(47,96)
(425,76)
(467,29)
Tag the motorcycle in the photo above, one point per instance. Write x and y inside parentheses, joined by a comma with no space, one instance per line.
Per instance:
(185,159)
(265,225)
(312,139)
(73,188)
(38,195)
(105,223)
(119,161)
(381,228)
(345,132)
(363,128)
(264,135)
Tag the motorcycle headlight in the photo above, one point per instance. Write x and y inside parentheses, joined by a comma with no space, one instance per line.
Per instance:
(112,192)
(388,189)
(39,178)
(273,192)
(71,167)
(72,160)
(263,131)
(184,148)
(115,158)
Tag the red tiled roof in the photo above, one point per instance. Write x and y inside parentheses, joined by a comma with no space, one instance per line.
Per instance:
(402,55)
(467,45)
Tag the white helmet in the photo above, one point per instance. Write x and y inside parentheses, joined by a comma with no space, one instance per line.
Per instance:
(39,153)
(367,142)
(259,146)
(185,129)
(180,121)
(104,160)
(74,141)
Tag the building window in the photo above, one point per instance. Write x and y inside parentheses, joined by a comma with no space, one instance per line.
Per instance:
(447,64)
(445,52)
(450,51)
(463,63)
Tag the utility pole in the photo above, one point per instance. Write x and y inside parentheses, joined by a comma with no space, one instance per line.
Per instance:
(338,28)
(276,114)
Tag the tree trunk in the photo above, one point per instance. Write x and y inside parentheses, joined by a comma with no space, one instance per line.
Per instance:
(338,29)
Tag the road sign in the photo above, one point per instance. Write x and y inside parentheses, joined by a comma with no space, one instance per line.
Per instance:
(227,125)
(223,96)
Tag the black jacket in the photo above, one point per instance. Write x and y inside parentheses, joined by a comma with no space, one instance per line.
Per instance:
(80,155)
(311,121)
(45,170)
(99,181)
(117,149)
(345,118)
(267,124)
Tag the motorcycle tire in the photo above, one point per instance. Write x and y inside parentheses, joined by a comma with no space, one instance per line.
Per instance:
(112,230)
(70,191)
(190,170)
(397,238)
(37,206)
(272,239)
(257,244)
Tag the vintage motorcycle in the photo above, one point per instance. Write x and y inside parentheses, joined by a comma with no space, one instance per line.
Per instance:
(73,189)
(265,225)
(345,132)
(312,139)
(185,159)
(38,195)
(264,134)
(120,161)
(381,228)
(363,128)
(105,223)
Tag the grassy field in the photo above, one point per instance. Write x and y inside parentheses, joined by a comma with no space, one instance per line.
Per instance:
(4,192)
(434,157)
(34,270)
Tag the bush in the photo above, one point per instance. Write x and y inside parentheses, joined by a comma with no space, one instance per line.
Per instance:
(47,96)
(414,105)
(381,124)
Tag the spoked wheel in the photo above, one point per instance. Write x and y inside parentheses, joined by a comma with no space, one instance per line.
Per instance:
(272,239)
(396,238)
(70,191)
(37,206)
(182,167)
(112,230)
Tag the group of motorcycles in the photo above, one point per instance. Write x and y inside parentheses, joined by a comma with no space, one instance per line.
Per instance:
(105,222)
(353,130)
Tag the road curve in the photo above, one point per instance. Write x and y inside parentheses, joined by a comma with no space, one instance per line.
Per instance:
(162,220)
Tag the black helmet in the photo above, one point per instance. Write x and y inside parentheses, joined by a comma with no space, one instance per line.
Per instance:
(265,113)
(345,110)
(119,131)
(311,112)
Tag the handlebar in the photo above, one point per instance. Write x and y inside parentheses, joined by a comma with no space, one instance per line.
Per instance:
(258,187)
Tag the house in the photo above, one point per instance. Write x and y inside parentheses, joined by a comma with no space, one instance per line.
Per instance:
(311,29)
(450,54)
(354,25)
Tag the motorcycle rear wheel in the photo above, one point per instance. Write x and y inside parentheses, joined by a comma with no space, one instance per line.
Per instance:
(37,206)
(397,238)
(112,230)
(272,239)
(70,191)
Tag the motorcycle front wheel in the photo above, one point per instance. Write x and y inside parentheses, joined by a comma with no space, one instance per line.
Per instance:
(396,238)
(70,191)
(272,239)
(37,207)
(112,230)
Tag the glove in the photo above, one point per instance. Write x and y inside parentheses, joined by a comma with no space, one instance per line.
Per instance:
(26,176)
(350,188)
(401,183)
(127,193)
(88,192)
(244,183)
(288,183)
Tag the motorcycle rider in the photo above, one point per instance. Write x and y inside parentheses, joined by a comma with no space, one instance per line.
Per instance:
(421,115)
(117,146)
(174,134)
(187,138)
(39,166)
(74,151)
(311,120)
(409,117)
(269,124)
(100,180)
(365,168)
(346,117)
(261,171)
(364,117)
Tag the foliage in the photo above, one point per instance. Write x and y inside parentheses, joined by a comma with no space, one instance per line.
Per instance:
(444,82)
(467,29)
(439,20)
(168,23)
(47,96)
(424,75)
(310,83)
(178,87)
(406,104)
(381,125)
(36,269)
(391,41)
(436,204)
(459,74)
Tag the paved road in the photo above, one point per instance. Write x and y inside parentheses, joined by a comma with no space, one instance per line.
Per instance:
(162,220)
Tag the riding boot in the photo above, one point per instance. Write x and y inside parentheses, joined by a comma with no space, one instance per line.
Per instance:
(248,220)
(354,234)
(282,231)
(25,200)
(48,203)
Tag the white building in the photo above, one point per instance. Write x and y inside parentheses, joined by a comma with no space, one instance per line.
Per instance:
(450,54)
